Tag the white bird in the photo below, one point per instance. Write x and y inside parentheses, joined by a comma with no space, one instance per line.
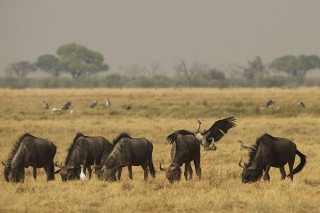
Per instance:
(108,103)
(56,110)
(82,175)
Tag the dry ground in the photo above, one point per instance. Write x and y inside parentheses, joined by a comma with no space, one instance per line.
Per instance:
(155,114)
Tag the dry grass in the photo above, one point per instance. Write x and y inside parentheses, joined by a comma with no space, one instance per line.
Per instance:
(155,114)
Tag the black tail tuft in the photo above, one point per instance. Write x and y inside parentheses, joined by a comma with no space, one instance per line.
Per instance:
(152,170)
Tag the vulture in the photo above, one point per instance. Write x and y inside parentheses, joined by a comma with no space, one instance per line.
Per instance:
(209,137)
(93,104)
(301,104)
(45,105)
(270,102)
(67,105)
(108,103)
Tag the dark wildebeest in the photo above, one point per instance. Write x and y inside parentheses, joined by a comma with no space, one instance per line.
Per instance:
(128,152)
(30,151)
(185,148)
(86,151)
(269,152)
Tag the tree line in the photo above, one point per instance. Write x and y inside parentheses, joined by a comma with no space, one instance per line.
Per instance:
(83,65)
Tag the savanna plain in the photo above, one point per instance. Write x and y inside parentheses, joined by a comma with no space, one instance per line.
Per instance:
(154,114)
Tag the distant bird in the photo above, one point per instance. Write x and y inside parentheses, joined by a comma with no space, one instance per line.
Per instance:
(126,106)
(56,110)
(71,111)
(67,105)
(82,175)
(301,104)
(108,103)
(93,104)
(45,105)
(270,103)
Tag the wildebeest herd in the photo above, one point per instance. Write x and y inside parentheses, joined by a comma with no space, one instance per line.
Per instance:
(108,158)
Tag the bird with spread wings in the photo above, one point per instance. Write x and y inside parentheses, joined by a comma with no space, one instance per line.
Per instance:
(209,137)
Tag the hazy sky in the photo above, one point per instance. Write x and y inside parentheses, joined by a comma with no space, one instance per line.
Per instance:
(127,32)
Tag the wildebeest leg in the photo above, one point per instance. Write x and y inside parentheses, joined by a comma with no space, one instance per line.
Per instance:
(291,169)
(130,171)
(50,171)
(90,171)
(119,173)
(190,171)
(283,173)
(266,173)
(186,170)
(34,173)
(197,167)
(145,169)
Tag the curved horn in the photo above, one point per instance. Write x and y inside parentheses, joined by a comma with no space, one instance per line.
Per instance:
(96,166)
(57,165)
(162,169)
(199,124)
(242,166)
(3,163)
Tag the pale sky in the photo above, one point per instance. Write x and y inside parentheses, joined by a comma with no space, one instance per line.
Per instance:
(127,32)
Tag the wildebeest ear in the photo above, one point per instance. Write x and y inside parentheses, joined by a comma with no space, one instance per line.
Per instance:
(58,171)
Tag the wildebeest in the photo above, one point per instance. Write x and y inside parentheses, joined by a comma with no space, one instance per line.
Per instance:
(185,148)
(269,152)
(128,152)
(29,151)
(86,151)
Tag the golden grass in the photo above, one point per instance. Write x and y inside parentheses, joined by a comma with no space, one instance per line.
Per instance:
(155,114)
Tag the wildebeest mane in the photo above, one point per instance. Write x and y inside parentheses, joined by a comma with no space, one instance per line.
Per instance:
(119,137)
(71,147)
(173,136)
(253,152)
(16,146)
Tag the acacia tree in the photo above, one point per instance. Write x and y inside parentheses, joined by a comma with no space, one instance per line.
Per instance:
(296,67)
(20,69)
(255,69)
(49,63)
(80,61)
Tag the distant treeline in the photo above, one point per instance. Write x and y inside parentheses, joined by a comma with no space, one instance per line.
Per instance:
(119,81)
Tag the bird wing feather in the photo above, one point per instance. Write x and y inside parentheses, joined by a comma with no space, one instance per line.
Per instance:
(220,128)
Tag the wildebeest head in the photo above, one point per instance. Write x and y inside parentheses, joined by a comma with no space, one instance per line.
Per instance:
(173,173)
(6,171)
(68,172)
(108,174)
(249,173)
(17,173)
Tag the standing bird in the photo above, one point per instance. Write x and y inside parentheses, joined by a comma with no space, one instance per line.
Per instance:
(108,103)
(270,103)
(301,104)
(67,105)
(93,104)
(45,105)
(82,175)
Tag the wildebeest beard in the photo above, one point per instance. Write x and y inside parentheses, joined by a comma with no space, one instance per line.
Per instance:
(174,173)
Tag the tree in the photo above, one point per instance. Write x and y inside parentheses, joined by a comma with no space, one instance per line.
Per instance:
(183,69)
(215,75)
(49,63)
(79,61)
(255,69)
(20,69)
(296,67)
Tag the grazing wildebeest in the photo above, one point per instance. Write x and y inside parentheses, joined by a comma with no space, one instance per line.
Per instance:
(30,151)
(128,152)
(86,151)
(269,152)
(185,148)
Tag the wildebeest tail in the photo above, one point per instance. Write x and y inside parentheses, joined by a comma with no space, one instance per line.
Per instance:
(173,136)
(302,163)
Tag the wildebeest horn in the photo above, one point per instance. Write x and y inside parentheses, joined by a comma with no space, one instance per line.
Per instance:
(162,169)
(96,166)
(57,165)
(58,171)
(3,163)
(242,166)
(253,166)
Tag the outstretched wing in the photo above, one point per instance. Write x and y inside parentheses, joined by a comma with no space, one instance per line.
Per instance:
(219,129)
(173,136)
